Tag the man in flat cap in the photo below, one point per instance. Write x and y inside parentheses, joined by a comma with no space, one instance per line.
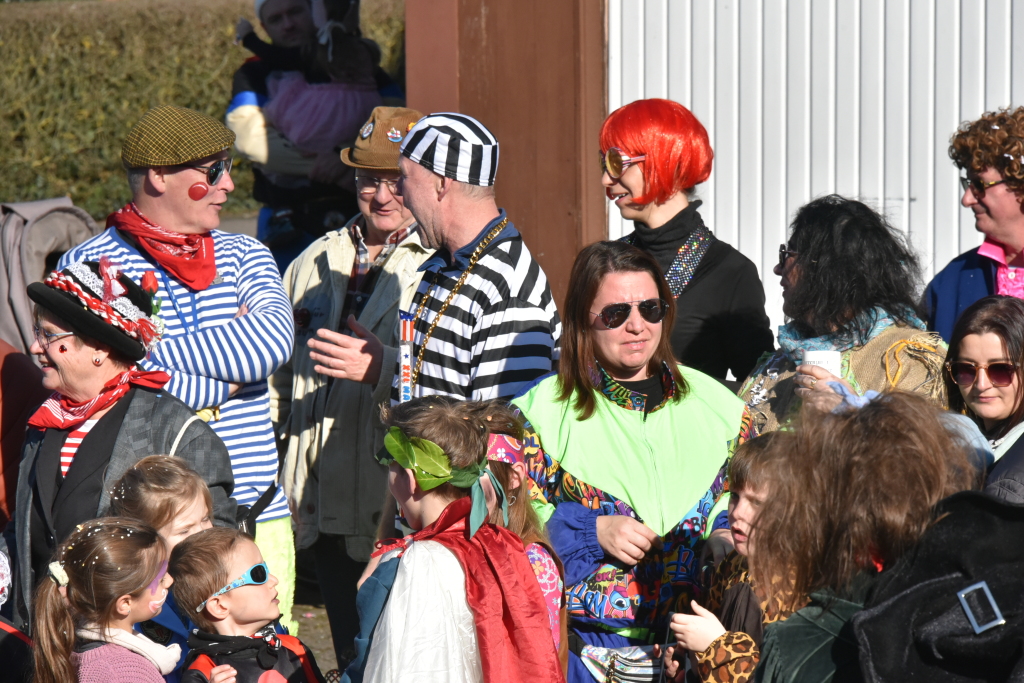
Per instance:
(351,281)
(479,292)
(228,321)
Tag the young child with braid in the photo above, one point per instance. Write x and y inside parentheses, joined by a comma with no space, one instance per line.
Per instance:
(109,575)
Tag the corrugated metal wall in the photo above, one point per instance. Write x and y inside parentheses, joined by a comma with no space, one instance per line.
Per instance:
(806,97)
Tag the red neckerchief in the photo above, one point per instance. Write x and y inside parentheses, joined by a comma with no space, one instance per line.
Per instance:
(189,258)
(512,627)
(59,412)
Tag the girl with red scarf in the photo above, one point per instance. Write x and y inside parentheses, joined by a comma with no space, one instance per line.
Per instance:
(93,324)
(458,599)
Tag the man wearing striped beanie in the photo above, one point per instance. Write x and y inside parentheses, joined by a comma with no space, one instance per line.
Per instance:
(482,292)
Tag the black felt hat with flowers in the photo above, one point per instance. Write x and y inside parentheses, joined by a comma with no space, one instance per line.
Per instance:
(98,301)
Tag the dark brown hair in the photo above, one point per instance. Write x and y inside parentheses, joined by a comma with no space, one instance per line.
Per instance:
(104,559)
(1002,316)
(862,489)
(199,568)
(576,367)
(996,141)
(156,489)
(445,421)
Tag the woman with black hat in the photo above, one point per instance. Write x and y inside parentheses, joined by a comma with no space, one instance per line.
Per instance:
(93,325)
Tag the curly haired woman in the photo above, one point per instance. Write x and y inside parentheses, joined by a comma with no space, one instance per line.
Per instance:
(990,152)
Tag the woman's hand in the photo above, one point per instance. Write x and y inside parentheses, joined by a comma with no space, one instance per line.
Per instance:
(222,674)
(812,386)
(624,538)
(696,631)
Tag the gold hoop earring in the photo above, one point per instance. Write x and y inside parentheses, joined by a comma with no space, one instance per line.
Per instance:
(512,500)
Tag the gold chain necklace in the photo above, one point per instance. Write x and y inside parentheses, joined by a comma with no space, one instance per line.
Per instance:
(451,295)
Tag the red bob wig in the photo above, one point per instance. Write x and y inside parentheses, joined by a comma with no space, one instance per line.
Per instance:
(678,151)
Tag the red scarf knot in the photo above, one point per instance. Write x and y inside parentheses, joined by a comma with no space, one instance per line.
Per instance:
(189,258)
(60,412)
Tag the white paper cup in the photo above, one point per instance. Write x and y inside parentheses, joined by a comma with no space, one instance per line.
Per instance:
(831,361)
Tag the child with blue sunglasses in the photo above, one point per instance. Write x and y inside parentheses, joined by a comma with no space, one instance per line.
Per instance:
(222,582)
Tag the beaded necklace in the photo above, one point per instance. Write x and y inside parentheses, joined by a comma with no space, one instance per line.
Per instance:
(687,258)
(451,295)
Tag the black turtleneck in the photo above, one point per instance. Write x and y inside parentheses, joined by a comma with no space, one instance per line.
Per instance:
(720,320)
(663,243)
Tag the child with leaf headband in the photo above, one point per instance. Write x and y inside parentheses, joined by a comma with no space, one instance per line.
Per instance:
(458,599)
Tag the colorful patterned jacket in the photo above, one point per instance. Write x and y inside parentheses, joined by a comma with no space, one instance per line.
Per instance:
(666,468)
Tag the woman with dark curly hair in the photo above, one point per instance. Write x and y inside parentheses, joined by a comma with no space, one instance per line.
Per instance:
(849,284)
(990,152)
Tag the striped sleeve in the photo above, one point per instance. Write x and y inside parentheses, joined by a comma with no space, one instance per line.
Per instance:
(514,345)
(246,349)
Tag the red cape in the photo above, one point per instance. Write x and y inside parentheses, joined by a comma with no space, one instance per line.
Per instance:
(512,627)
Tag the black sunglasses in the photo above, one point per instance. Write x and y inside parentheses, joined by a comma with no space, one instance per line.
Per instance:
(784,254)
(214,171)
(978,186)
(965,373)
(651,310)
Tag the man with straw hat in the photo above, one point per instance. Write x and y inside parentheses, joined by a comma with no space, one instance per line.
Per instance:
(228,321)
(346,289)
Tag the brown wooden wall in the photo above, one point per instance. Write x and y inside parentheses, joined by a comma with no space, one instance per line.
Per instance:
(534,72)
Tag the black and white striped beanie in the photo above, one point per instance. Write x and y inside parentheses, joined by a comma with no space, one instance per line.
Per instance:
(455,146)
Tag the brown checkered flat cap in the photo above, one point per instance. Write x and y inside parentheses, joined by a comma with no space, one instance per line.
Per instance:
(171,136)
(380,138)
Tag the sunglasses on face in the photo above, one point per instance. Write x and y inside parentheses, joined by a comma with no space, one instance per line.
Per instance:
(978,186)
(785,253)
(615,163)
(215,171)
(255,575)
(965,373)
(651,310)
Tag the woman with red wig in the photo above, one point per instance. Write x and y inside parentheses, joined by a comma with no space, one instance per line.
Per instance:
(654,153)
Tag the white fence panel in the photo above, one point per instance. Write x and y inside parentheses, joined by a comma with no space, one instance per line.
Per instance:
(806,97)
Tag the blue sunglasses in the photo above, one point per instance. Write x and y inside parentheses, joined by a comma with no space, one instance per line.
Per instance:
(255,575)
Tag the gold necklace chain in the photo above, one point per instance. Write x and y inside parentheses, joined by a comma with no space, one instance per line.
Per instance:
(451,295)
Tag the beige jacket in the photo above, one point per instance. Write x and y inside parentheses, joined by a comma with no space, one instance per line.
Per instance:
(900,358)
(329,429)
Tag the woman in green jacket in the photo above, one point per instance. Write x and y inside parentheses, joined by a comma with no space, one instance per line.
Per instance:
(628,453)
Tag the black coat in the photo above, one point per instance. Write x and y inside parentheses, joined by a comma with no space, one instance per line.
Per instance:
(1006,478)
(720,324)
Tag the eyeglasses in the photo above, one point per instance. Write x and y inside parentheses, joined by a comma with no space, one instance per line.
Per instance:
(978,186)
(46,338)
(784,254)
(255,575)
(965,373)
(651,310)
(615,163)
(366,184)
(215,170)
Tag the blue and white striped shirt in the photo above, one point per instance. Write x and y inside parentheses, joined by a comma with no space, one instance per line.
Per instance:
(205,348)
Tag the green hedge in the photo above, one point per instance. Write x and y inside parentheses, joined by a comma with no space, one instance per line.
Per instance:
(76,76)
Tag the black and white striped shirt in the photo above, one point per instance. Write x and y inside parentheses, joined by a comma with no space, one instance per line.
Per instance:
(500,332)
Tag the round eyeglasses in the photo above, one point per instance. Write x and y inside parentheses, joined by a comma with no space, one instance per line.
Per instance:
(366,184)
(615,163)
